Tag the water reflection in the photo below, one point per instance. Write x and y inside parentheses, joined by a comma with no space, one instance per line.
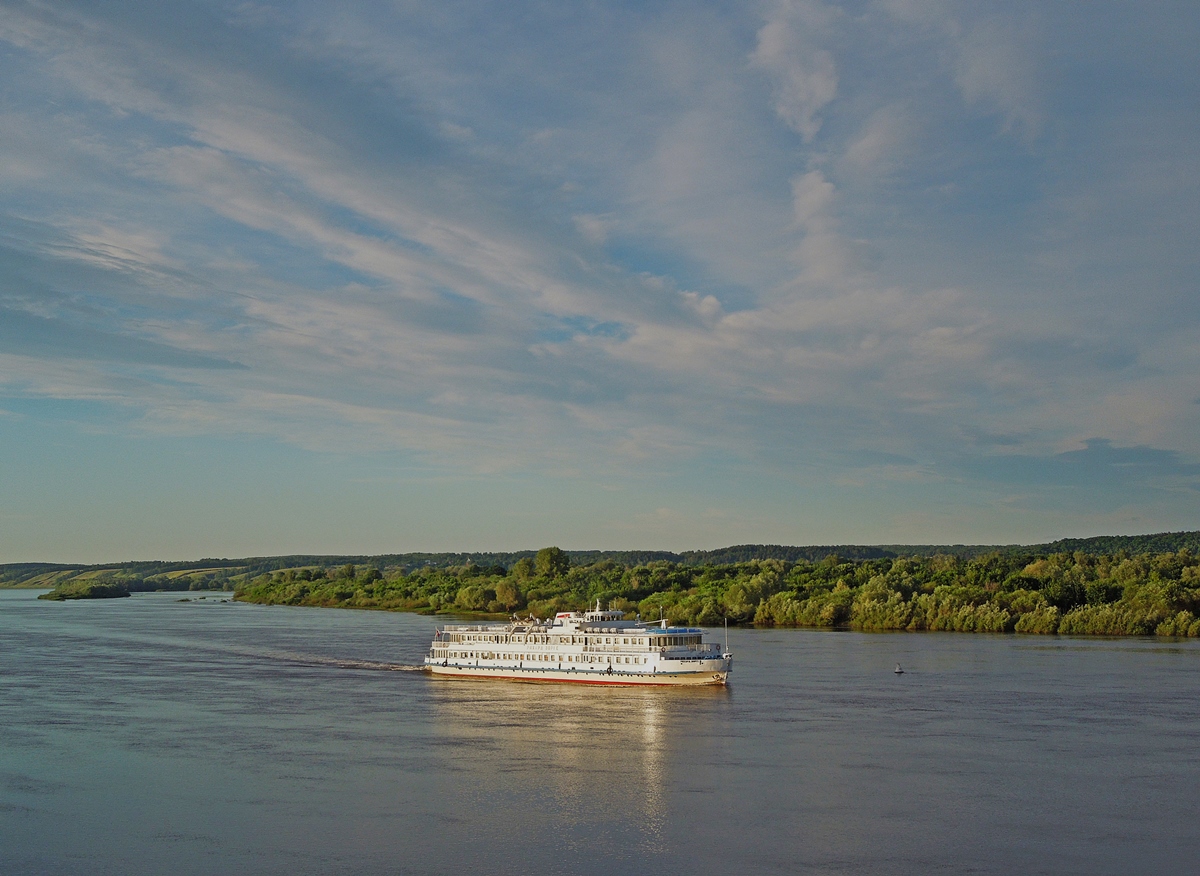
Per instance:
(594,758)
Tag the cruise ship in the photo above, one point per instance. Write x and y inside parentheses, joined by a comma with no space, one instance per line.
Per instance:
(593,647)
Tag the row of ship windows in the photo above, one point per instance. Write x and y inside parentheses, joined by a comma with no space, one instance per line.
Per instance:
(541,658)
(660,641)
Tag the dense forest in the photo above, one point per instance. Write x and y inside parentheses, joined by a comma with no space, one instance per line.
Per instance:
(1120,593)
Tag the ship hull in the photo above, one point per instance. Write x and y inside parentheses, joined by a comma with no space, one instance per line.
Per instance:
(583,676)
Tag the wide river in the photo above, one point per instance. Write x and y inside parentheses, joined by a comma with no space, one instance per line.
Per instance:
(153,736)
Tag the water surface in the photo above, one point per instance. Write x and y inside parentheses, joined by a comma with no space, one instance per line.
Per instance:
(148,735)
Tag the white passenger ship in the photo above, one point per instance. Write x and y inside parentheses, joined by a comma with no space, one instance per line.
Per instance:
(594,647)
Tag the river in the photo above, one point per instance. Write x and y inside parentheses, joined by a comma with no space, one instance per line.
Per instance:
(150,736)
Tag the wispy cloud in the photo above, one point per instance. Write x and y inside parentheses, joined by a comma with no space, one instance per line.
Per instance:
(834,245)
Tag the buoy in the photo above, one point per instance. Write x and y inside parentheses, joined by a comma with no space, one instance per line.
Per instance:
(899,671)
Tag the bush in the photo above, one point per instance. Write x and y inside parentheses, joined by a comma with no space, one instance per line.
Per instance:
(1108,620)
(1182,624)
(1041,620)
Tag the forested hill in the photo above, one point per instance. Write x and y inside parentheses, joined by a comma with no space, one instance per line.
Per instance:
(1162,542)
(220,573)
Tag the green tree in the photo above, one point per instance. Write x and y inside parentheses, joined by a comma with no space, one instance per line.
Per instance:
(509,595)
(552,562)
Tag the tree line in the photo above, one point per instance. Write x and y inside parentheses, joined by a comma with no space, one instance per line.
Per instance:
(1120,593)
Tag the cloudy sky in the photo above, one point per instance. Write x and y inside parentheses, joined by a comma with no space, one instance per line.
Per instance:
(387,276)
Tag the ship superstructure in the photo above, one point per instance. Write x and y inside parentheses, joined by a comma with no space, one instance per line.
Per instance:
(593,647)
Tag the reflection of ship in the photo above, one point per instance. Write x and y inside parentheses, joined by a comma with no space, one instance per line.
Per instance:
(526,765)
(595,647)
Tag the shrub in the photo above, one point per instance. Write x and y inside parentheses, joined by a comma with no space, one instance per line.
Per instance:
(1041,620)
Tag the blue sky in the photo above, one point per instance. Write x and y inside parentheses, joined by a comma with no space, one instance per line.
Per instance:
(372,277)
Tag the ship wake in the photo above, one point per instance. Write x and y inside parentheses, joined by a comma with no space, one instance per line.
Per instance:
(302,659)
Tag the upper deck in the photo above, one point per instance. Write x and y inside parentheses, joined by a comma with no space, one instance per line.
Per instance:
(598,622)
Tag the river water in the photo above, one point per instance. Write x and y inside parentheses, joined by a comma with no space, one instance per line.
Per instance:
(152,736)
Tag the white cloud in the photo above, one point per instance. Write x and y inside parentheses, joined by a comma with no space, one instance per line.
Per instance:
(804,74)
(992,59)
(881,145)
(994,67)
(824,256)
(593,228)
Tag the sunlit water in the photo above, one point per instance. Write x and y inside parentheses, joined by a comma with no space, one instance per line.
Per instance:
(151,736)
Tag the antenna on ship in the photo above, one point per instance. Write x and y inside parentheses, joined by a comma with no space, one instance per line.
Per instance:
(727,636)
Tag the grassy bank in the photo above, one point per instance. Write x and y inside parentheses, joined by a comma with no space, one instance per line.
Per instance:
(85,590)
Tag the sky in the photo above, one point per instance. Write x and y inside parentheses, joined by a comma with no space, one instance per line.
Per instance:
(375,277)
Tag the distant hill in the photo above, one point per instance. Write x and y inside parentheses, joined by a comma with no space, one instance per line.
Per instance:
(219,573)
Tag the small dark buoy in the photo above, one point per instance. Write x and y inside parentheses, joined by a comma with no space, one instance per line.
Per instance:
(899,671)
